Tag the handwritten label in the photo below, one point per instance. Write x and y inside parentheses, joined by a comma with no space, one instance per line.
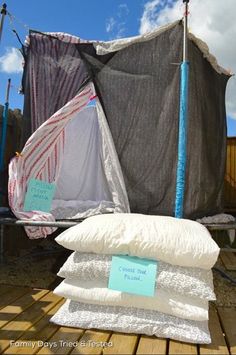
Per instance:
(39,196)
(133,275)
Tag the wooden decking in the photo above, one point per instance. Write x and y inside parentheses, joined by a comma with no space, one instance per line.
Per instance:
(25,329)
(229,260)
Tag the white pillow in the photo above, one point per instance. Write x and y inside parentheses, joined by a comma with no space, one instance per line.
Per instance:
(175,241)
(96,292)
(131,320)
(188,281)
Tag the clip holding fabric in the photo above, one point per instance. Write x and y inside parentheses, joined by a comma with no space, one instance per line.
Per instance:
(18,154)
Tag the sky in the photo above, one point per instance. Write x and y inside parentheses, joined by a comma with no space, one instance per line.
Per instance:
(214,21)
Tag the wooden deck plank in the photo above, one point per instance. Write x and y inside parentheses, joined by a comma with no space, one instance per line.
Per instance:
(10,312)
(13,294)
(229,260)
(122,344)
(27,317)
(5,289)
(151,346)
(41,331)
(65,334)
(228,321)
(14,329)
(218,345)
(91,342)
(178,347)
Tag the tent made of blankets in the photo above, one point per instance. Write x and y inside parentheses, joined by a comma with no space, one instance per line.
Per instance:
(123,152)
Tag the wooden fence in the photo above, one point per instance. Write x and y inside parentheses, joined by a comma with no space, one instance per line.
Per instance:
(13,141)
(230,176)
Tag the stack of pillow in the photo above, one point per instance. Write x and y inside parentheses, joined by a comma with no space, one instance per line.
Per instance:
(185,253)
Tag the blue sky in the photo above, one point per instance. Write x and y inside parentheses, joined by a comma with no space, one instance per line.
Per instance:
(104,20)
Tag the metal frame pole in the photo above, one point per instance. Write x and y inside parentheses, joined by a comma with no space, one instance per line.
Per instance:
(183,118)
(3,14)
(185,44)
(8,90)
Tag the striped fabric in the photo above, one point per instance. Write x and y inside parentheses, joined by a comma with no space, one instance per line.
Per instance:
(41,159)
(53,75)
(65,37)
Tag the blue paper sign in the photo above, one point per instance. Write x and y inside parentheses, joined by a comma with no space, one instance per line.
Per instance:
(133,275)
(39,196)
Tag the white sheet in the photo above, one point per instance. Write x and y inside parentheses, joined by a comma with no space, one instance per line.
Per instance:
(83,185)
(81,176)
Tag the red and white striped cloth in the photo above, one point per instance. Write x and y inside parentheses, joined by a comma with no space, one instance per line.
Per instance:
(41,159)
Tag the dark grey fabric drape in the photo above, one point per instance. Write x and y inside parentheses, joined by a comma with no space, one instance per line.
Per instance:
(53,75)
(139,90)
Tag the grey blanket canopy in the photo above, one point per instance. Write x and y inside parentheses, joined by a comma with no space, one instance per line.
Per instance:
(137,82)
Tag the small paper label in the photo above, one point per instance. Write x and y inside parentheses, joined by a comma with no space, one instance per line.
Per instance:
(39,196)
(133,275)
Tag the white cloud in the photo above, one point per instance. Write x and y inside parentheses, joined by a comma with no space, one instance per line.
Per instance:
(110,24)
(214,21)
(11,61)
(116,25)
(123,10)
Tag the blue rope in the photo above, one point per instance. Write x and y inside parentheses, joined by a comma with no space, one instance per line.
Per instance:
(182,143)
